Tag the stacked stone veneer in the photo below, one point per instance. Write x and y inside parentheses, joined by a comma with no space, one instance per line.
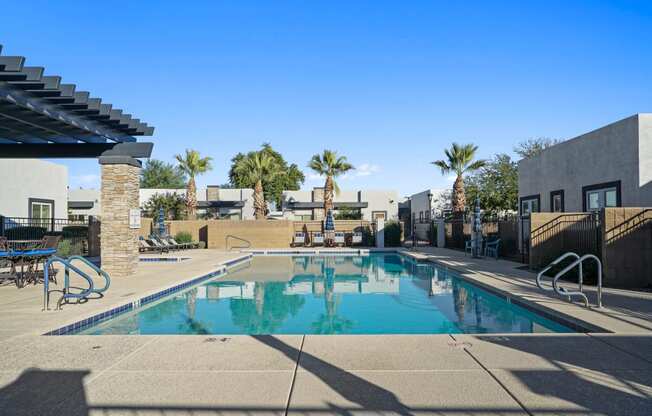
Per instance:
(120,188)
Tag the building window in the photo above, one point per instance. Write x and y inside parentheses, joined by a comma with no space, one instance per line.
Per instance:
(41,208)
(530,204)
(380,215)
(557,201)
(602,195)
(420,216)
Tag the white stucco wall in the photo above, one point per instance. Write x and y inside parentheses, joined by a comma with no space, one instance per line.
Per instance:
(441,201)
(380,200)
(32,178)
(147,193)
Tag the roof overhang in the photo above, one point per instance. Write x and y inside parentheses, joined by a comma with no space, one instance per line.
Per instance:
(81,204)
(37,109)
(220,204)
(336,205)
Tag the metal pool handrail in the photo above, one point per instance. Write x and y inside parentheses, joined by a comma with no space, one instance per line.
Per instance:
(100,272)
(554,262)
(226,243)
(562,291)
(66,282)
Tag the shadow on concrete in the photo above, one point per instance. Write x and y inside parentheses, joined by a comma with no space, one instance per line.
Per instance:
(353,388)
(597,386)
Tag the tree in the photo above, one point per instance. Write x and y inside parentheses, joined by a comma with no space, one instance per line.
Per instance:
(192,164)
(459,159)
(174,206)
(161,175)
(532,147)
(496,184)
(289,177)
(331,165)
(258,168)
(346,213)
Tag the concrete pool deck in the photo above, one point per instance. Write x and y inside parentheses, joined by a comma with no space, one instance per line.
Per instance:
(564,374)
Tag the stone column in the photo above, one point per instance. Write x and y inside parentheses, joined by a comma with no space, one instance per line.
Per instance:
(120,193)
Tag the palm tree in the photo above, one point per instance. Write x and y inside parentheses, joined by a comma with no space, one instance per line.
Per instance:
(255,167)
(459,160)
(330,165)
(193,164)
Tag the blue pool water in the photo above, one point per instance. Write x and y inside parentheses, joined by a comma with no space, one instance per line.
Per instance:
(374,294)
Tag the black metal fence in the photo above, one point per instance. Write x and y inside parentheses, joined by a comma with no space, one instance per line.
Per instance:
(25,232)
(458,231)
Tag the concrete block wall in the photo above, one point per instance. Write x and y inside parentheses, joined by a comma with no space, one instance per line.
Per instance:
(627,247)
(261,234)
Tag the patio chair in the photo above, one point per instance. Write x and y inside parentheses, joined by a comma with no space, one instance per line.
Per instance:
(356,239)
(468,246)
(339,238)
(317,239)
(299,239)
(491,248)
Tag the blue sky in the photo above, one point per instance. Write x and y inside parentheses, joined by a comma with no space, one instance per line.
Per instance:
(388,84)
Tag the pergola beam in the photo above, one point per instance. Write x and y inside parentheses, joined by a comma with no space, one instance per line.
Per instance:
(76,150)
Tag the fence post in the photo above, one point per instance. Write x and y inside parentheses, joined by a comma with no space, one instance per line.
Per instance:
(2,225)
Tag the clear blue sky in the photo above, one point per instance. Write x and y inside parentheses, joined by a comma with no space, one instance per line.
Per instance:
(388,84)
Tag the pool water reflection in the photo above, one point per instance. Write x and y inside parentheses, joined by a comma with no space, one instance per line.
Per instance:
(374,294)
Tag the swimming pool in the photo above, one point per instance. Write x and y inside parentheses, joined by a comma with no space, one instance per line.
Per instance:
(380,293)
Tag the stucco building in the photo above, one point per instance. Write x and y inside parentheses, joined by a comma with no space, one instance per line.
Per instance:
(608,167)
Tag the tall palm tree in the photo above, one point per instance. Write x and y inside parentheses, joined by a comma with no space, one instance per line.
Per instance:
(192,164)
(256,167)
(331,165)
(459,159)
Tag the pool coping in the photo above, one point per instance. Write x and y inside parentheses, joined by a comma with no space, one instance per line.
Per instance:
(149,297)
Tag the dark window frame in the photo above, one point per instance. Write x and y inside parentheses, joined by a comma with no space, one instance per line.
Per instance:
(559,192)
(373,213)
(30,201)
(603,185)
(536,197)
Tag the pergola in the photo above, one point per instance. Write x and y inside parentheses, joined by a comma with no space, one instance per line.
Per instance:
(41,117)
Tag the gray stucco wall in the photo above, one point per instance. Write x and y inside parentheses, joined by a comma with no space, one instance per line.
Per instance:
(608,154)
(32,178)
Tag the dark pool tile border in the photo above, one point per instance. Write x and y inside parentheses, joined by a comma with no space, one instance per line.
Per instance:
(558,317)
(83,324)
(163,259)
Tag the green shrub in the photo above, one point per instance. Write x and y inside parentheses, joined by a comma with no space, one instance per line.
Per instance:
(72,231)
(25,233)
(392,234)
(183,237)
(368,239)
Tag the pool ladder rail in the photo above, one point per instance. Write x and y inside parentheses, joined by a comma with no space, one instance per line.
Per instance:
(561,291)
(67,294)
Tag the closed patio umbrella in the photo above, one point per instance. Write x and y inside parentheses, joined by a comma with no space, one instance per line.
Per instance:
(161,222)
(329,225)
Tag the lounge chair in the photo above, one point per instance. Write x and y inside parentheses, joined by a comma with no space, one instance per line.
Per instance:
(339,238)
(184,245)
(153,241)
(356,239)
(491,248)
(144,246)
(165,243)
(317,239)
(299,239)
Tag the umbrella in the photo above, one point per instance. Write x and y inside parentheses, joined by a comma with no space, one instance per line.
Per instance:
(161,221)
(329,225)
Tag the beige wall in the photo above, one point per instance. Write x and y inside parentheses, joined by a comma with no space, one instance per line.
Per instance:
(347,226)
(261,234)
(196,228)
(627,247)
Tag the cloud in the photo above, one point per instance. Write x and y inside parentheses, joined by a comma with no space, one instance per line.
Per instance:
(366,169)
